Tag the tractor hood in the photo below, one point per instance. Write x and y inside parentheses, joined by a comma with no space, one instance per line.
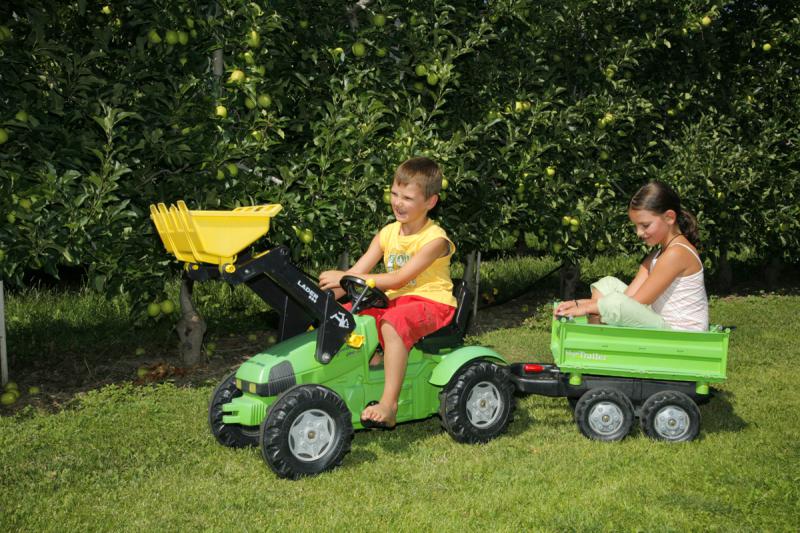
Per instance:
(273,371)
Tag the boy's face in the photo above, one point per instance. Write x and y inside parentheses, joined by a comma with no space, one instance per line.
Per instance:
(409,203)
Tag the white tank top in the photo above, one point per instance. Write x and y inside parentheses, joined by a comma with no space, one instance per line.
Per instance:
(684,305)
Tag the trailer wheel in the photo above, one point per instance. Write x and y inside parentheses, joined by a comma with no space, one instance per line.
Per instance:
(231,435)
(478,403)
(308,430)
(604,414)
(670,416)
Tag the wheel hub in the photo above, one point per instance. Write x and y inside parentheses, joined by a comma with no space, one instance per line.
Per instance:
(311,435)
(606,418)
(484,404)
(671,422)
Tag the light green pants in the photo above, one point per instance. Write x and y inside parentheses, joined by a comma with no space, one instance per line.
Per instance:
(617,309)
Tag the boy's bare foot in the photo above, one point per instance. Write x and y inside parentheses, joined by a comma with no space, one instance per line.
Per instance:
(379,415)
(377,360)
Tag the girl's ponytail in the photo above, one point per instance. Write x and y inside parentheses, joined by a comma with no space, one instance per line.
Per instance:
(688,224)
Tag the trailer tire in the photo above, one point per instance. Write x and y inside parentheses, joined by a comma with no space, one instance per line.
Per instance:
(478,403)
(670,416)
(604,414)
(230,435)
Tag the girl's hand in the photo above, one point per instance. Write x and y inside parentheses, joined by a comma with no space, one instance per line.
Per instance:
(330,279)
(572,308)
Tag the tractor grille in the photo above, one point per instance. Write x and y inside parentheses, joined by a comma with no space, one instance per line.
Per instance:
(281,378)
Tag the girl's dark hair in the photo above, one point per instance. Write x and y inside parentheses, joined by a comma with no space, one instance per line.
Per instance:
(658,198)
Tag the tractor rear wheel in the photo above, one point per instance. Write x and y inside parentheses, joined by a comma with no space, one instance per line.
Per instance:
(478,403)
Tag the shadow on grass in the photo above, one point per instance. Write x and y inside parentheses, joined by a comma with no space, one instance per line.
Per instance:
(719,415)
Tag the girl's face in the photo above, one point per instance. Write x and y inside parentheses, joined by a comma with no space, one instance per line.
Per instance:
(651,227)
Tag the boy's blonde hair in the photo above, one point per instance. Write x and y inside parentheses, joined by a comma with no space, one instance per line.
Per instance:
(422,171)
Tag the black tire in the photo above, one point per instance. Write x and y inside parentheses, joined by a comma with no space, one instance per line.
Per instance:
(478,403)
(231,435)
(308,430)
(670,416)
(604,414)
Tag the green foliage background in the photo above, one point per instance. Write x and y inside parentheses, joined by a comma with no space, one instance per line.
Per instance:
(118,112)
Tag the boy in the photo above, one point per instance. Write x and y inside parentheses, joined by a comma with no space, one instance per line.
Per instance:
(416,253)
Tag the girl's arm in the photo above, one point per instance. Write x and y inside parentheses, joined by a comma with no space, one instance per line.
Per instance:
(671,263)
(641,275)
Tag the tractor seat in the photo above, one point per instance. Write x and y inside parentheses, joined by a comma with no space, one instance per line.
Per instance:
(451,335)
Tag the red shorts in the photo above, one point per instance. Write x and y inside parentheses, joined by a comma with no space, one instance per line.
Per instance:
(412,317)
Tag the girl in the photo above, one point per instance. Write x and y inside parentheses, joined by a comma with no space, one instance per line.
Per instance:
(668,292)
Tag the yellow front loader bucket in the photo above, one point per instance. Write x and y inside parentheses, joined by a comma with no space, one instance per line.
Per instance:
(213,237)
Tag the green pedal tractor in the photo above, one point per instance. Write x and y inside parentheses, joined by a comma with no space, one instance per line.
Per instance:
(300,400)
(612,375)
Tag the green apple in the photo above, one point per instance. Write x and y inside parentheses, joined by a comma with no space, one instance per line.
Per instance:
(153,309)
(359,49)
(167,307)
(232,169)
(304,24)
(766,47)
(253,39)
(252,337)
(421,70)
(380,52)
(432,79)
(551,171)
(705,21)
(221,111)
(307,236)
(171,37)
(3,136)
(22,115)
(264,100)
(142,372)
(8,398)
(379,20)
(153,37)
(140,351)
(183,38)
(33,390)
(106,10)
(237,76)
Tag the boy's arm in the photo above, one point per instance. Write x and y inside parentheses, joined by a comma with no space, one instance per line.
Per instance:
(415,266)
(330,278)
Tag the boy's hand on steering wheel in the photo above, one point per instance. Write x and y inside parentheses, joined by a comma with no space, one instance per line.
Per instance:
(330,279)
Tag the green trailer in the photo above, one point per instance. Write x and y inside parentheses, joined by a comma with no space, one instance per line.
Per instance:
(611,375)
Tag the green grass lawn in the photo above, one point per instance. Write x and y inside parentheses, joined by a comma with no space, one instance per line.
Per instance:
(128,458)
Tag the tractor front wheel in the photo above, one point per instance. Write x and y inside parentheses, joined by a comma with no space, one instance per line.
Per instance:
(478,403)
(308,430)
(670,416)
(604,414)
(231,435)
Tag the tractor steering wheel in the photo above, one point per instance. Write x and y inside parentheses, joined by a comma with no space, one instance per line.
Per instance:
(362,295)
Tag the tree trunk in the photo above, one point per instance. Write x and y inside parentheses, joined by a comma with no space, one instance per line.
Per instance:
(724,272)
(191,327)
(569,276)
(772,272)
(344,261)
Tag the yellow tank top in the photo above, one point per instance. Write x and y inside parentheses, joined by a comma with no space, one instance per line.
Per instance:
(434,282)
